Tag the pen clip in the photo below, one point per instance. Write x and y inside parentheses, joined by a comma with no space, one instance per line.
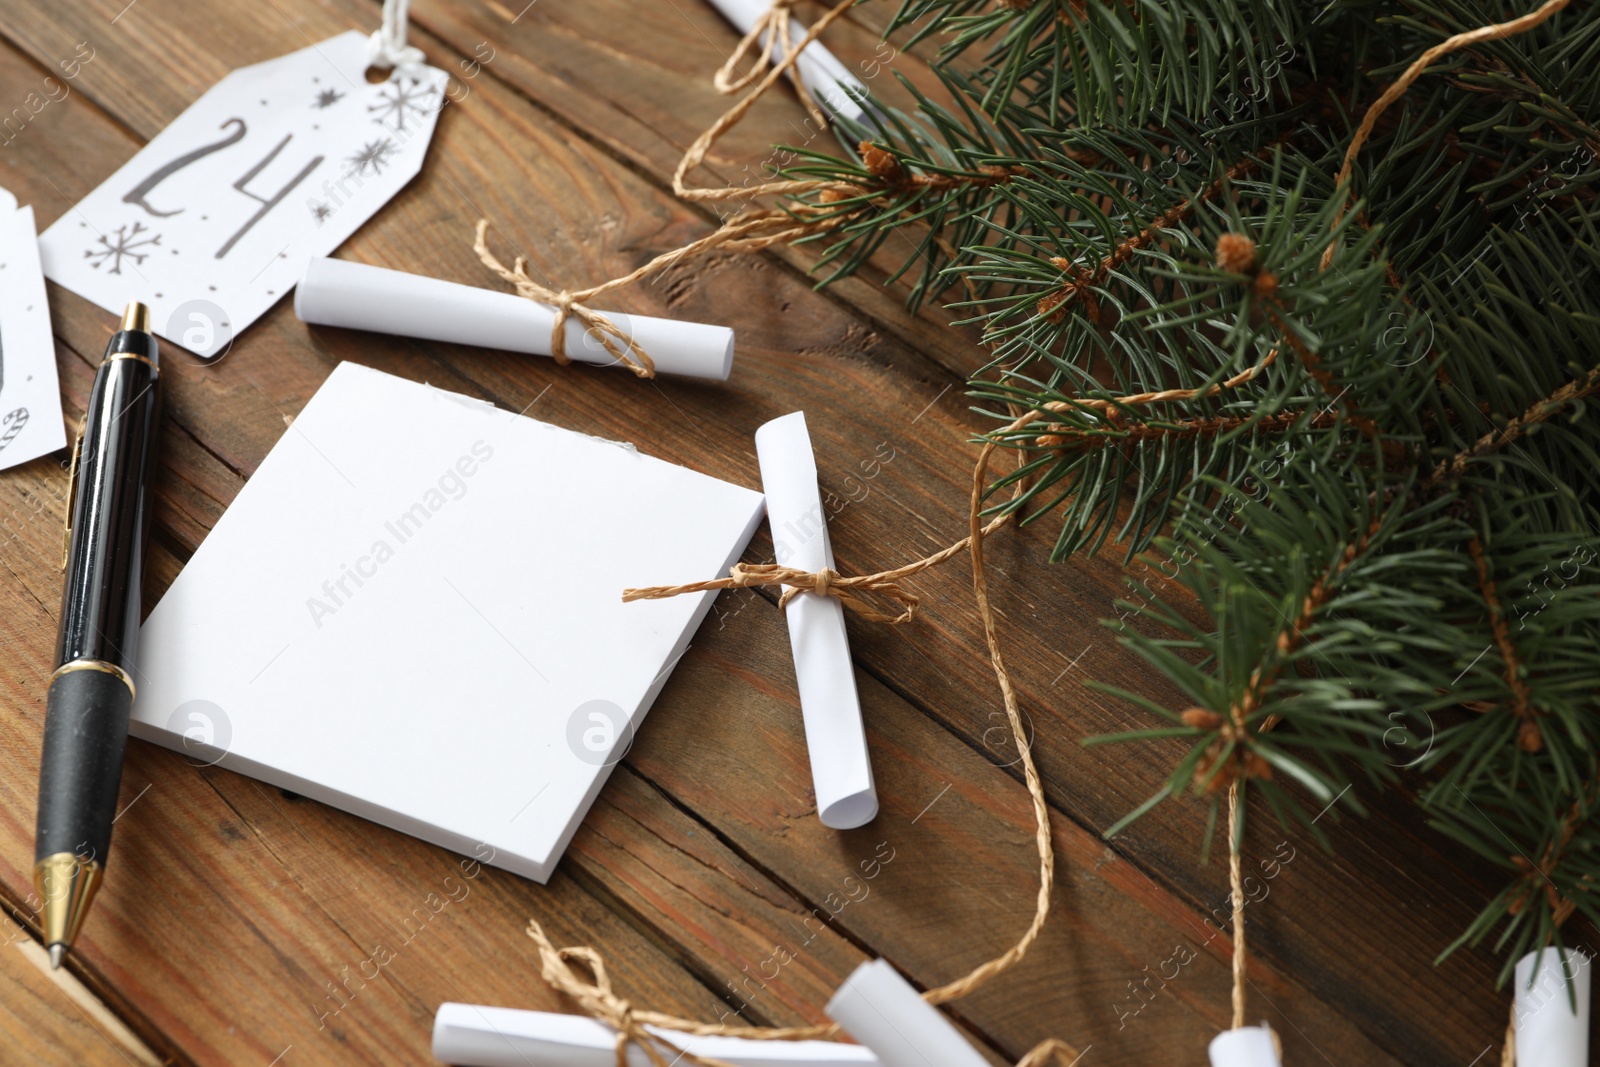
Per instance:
(72,491)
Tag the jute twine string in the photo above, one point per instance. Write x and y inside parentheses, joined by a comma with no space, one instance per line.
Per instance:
(794,580)
(747,232)
(772,30)
(1236,887)
(566,302)
(1492,32)
(828,582)
(696,153)
(750,230)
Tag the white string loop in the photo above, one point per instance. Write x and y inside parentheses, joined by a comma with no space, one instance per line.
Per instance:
(387,46)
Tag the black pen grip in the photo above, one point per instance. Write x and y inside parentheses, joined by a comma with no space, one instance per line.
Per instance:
(85,732)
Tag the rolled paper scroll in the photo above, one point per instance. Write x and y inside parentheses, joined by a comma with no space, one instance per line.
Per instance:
(882,1011)
(361,297)
(827,79)
(841,771)
(1548,1032)
(468,1035)
(1248,1046)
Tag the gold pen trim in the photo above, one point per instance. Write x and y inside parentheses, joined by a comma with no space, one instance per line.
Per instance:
(96,665)
(66,885)
(146,360)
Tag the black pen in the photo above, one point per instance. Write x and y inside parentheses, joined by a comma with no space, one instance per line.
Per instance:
(92,690)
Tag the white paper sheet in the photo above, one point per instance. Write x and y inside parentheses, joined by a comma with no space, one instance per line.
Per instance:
(1549,1032)
(882,1011)
(841,769)
(30,396)
(213,221)
(357,296)
(1248,1046)
(829,80)
(470,1035)
(411,612)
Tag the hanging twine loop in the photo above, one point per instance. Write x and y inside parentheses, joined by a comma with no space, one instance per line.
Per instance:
(387,47)
(772,33)
(1236,895)
(568,304)
(1495,31)
(795,581)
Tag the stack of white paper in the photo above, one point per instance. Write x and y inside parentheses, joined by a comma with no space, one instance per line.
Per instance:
(412,612)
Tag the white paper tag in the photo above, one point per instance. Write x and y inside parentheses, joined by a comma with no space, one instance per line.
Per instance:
(215,219)
(30,398)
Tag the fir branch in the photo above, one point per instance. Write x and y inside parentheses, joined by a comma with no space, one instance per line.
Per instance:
(1316,408)
(1052,307)
(1536,880)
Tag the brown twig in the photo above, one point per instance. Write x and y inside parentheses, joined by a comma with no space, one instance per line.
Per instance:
(1233,728)
(1539,411)
(1529,736)
(1052,306)
(1116,433)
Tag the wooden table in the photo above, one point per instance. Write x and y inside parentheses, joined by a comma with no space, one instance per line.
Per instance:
(238,919)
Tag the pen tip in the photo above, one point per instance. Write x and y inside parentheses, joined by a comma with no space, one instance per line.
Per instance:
(58,952)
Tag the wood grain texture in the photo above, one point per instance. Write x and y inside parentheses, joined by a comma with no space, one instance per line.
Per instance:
(53,1019)
(241,924)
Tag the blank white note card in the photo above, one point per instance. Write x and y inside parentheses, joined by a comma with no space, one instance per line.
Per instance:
(413,612)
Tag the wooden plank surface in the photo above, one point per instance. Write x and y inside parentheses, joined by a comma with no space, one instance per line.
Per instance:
(51,1018)
(237,921)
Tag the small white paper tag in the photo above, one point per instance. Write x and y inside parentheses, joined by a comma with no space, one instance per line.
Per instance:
(30,398)
(214,220)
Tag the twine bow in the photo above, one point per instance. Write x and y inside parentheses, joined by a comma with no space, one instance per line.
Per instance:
(623,348)
(773,30)
(596,997)
(825,582)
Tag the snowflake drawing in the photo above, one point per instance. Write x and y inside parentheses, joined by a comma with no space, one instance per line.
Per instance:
(398,101)
(374,156)
(125,244)
(321,212)
(327,98)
